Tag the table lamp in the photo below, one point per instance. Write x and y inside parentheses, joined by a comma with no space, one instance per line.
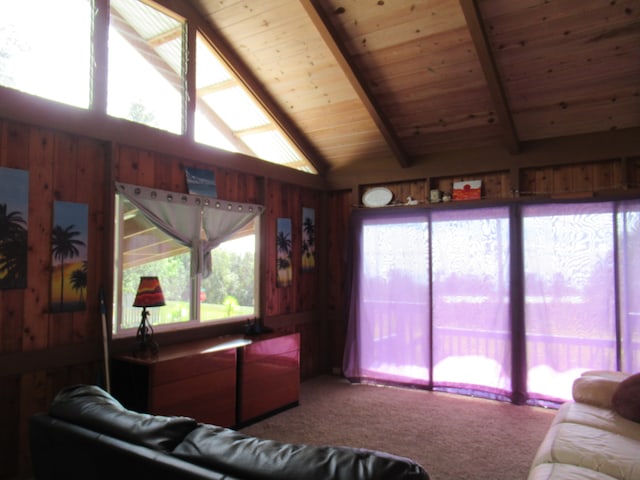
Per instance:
(149,295)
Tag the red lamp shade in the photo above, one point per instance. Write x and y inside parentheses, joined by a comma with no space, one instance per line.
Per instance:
(149,293)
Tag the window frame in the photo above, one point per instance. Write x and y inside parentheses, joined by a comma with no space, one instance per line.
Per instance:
(195,282)
(130,33)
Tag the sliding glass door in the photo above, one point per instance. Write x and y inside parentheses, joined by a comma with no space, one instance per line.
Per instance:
(570,321)
(471,299)
(628,248)
(390,341)
(509,301)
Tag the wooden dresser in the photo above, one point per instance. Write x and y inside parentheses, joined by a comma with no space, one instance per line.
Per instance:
(223,381)
(268,376)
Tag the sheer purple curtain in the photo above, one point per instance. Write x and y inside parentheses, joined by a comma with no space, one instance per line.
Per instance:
(471,300)
(504,301)
(628,223)
(570,317)
(388,331)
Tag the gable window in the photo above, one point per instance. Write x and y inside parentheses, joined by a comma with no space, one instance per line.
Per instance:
(51,55)
(228,117)
(45,50)
(202,249)
(146,71)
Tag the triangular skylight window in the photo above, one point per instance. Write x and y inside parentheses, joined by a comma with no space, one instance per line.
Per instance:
(227,116)
(225,105)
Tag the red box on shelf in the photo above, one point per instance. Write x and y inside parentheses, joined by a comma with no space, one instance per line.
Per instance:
(469,190)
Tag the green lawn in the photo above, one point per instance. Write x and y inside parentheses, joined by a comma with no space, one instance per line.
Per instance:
(174,312)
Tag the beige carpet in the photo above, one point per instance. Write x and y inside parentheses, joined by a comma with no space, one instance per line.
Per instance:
(454,437)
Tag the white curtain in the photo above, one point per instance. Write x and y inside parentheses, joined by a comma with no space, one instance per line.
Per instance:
(200,223)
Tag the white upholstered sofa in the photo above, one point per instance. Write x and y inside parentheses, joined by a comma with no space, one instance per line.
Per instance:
(597,436)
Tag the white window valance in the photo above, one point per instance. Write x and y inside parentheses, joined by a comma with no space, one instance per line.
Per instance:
(200,223)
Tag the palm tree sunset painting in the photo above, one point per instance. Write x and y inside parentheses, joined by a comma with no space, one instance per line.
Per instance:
(308,239)
(69,239)
(14,209)
(283,253)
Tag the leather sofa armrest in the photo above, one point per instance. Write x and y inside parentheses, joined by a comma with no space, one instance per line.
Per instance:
(244,456)
(91,407)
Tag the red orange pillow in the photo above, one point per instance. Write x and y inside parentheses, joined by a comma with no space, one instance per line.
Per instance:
(626,398)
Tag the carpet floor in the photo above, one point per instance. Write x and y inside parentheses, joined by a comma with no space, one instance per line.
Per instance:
(453,437)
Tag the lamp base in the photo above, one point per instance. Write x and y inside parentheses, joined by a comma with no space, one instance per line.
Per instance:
(145,344)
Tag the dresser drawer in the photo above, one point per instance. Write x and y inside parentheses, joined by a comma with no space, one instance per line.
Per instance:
(177,369)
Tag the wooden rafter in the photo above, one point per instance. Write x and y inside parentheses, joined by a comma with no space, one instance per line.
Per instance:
(356,79)
(483,49)
(216,87)
(223,128)
(165,37)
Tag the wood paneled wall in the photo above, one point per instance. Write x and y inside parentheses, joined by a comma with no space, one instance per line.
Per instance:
(284,306)
(572,180)
(339,211)
(61,168)
(41,352)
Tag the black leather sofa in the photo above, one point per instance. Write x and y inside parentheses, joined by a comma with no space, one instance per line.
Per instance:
(87,434)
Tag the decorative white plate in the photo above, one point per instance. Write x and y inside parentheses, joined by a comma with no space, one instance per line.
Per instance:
(377,197)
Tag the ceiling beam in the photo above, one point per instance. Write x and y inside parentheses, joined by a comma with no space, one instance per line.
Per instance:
(356,79)
(496,90)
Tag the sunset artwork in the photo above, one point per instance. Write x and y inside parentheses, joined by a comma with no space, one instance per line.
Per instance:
(14,210)
(308,239)
(69,240)
(283,253)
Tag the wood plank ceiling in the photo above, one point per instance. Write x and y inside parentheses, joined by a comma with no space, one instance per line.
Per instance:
(400,80)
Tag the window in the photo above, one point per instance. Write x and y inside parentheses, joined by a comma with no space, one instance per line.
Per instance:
(45,50)
(471,299)
(50,55)
(192,297)
(228,117)
(569,294)
(393,300)
(628,248)
(503,302)
(144,250)
(146,74)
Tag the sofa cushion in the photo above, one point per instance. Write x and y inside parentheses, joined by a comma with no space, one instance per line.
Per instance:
(248,457)
(91,407)
(626,398)
(610,374)
(600,418)
(548,471)
(594,390)
(591,448)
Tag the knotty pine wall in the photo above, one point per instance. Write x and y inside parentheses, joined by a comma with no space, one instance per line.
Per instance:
(41,352)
